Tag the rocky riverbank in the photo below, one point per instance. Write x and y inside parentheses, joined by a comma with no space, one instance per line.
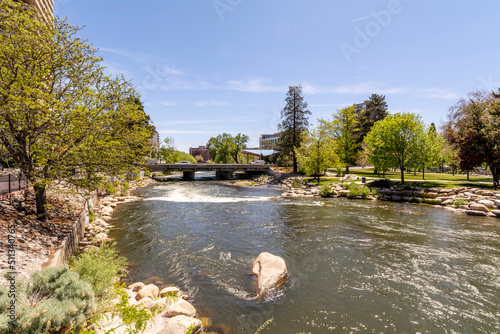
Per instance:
(466,200)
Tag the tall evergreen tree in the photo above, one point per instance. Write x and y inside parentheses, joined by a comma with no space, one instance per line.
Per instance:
(376,110)
(294,122)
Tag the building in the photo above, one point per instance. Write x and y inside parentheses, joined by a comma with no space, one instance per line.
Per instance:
(155,141)
(200,150)
(268,141)
(44,7)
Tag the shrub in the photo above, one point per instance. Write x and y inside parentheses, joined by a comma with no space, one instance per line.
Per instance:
(325,190)
(296,183)
(99,267)
(353,190)
(460,201)
(364,192)
(376,194)
(430,201)
(52,301)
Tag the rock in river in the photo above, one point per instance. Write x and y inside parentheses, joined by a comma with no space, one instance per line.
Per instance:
(270,271)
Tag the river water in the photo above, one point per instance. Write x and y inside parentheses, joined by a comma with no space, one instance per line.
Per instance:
(355,265)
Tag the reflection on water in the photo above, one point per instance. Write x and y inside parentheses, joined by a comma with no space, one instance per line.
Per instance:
(356,266)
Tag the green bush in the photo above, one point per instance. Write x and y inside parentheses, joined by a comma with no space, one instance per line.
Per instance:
(460,201)
(296,183)
(325,190)
(376,194)
(99,267)
(52,301)
(353,190)
(364,192)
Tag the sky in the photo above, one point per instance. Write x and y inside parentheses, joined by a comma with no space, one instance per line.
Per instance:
(204,67)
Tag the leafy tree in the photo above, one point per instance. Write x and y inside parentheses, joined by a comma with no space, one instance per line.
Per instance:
(375,110)
(294,122)
(61,117)
(225,148)
(342,128)
(431,145)
(316,153)
(167,150)
(394,141)
(473,128)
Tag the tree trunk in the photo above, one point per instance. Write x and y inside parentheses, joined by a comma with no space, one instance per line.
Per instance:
(496,176)
(41,202)
(467,175)
(347,169)
(402,174)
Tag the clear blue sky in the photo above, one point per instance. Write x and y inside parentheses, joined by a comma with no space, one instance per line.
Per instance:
(210,66)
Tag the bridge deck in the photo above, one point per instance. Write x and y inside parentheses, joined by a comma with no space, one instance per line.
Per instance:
(208,167)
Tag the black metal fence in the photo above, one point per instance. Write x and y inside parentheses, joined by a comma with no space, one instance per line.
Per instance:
(11,182)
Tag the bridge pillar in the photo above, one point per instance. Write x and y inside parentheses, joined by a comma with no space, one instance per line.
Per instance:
(224,175)
(188,175)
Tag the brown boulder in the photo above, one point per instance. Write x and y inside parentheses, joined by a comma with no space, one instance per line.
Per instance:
(271,272)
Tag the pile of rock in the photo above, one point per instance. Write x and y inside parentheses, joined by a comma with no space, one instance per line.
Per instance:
(176,314)
(471,201)
(298,187)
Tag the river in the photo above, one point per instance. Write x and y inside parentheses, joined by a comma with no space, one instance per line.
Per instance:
(355,265)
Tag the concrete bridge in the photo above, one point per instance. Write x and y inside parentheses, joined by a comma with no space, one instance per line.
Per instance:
(222,171)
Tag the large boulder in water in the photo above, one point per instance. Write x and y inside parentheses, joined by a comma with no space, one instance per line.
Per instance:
(270,271)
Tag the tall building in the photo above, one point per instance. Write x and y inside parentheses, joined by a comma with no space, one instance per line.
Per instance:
(200,150)
(267,141)
(44,7)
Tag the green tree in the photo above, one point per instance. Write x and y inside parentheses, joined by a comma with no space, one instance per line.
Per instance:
(61,117)
(167,150)
(343,128)
(316,153)
(238,142)
(294,122)
(473,128)
(225,148)
(375,110)
(431,145)
(394,141)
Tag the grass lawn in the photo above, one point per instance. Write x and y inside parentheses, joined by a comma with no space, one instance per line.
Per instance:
(368,172)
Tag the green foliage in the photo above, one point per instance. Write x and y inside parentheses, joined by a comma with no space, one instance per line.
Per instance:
(264,325)
(225,148)
(342,129)
(99,267)
(354,190)
(395,141)
(430,201)
(474,131)
(376,194)
(61,115)
(325,190)
(294,121)
(364,192)
(316,153)
(190,329)
(297,183)
(375,110)
(460,201)
(53,301)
